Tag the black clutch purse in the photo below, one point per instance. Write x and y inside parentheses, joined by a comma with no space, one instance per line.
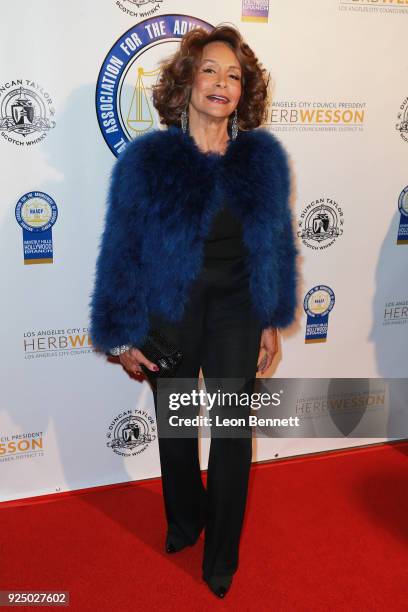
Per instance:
(162,352)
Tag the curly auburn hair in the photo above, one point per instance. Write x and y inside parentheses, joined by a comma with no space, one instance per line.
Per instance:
(172,91)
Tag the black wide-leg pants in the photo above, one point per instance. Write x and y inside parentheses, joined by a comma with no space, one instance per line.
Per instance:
(220,333)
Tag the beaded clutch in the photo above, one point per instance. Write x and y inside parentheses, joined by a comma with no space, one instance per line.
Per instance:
(162,352)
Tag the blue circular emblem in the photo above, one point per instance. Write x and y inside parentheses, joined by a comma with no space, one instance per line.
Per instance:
(123,102)
(36,211)
(403,202)
(319,301)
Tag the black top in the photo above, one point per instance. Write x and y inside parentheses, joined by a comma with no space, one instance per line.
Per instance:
(225,238)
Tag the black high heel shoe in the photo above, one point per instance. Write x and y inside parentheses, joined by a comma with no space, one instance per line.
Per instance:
(171,548)
(219,585)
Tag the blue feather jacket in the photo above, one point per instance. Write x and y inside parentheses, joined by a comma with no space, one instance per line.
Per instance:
(164,193)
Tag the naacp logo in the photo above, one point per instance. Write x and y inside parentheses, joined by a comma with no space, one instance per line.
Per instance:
(26,112)
(131,432)
(321,223)
(36,212)
(123,92)
(318,303)
(402,125)
(402,237)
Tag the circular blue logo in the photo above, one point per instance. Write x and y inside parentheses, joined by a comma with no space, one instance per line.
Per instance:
(123,101)
(319,301)
(403,202)
(36,211)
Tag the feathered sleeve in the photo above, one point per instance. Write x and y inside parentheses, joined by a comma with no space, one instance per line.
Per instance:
(284,239)
(118,313)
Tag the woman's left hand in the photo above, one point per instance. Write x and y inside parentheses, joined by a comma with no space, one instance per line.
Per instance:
(269,342)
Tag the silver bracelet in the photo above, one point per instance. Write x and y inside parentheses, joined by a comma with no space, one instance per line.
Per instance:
(118,350)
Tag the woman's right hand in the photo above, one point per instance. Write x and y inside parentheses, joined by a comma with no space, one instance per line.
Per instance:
(132,360)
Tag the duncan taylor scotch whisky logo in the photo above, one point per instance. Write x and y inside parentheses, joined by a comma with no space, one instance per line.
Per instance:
(26,112)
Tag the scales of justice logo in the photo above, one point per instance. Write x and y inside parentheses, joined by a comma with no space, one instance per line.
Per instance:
(131,434)
(123,91)
(320,223)
(26,112)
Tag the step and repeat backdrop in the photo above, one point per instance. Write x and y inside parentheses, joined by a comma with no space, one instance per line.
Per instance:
(75,87)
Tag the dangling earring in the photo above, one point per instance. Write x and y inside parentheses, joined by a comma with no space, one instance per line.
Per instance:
(184,119)
(234,125)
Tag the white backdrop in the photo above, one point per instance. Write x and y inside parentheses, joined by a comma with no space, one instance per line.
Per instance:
(340,108)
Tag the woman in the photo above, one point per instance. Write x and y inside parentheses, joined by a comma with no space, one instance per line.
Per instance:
(198,243)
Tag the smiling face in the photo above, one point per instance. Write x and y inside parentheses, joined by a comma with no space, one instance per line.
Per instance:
(217,85)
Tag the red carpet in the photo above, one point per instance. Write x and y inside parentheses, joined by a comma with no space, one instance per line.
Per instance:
(322,532)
